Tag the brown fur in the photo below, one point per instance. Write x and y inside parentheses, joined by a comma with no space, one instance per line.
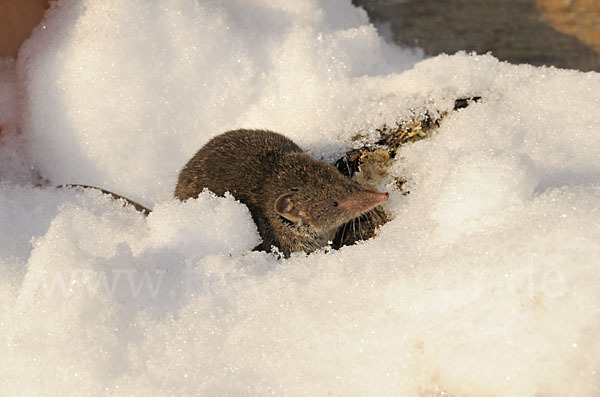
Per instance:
(297,202)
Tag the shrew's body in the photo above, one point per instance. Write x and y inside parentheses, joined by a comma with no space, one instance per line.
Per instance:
(296,201)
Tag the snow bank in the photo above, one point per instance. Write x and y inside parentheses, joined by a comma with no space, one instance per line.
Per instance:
(162,78)
(15,163)
(484,283)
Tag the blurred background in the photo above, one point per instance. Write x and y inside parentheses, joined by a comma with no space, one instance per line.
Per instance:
(563,33)
(18,18)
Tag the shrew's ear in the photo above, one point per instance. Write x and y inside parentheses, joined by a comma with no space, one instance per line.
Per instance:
(285,207)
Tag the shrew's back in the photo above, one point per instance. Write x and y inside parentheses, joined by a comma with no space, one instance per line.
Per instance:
(237,161)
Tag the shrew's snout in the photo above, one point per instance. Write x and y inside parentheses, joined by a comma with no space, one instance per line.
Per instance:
(363,201)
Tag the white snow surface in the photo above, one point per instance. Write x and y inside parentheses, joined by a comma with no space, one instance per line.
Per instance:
(485,283)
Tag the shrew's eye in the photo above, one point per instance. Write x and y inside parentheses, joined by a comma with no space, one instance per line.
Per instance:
(335,203)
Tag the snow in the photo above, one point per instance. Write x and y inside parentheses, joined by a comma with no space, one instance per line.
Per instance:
(484,283)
